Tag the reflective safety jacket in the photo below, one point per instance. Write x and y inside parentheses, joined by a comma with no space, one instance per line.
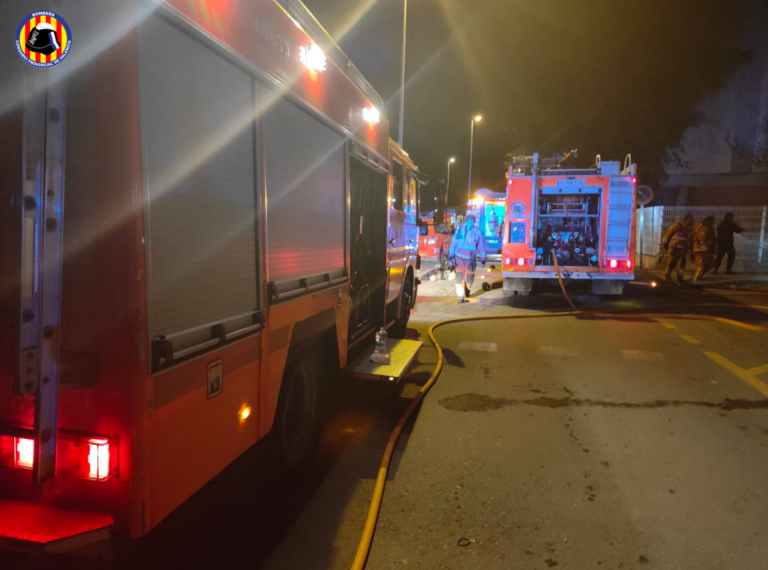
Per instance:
(468,245)
(704,239)
(678,237)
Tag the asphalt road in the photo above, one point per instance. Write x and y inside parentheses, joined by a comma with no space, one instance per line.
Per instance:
(555,442)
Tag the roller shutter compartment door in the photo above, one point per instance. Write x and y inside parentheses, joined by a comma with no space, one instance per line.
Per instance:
(197,137)
(305,197)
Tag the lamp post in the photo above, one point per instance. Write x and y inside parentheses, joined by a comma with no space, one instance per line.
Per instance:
(402,80)
(448,180)
(475,119)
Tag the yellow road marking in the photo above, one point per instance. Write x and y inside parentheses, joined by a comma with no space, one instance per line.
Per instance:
(689,339)
(758,369)
(669,326)
(747,375)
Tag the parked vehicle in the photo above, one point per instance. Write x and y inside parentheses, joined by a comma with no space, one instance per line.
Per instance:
(202,212)
(489,208)
(582,217)
(434,239)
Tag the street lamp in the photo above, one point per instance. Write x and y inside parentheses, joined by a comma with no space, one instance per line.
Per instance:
(475,119)
(402,80)
(448,180)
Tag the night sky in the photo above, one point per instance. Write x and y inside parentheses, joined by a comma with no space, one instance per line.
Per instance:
(603,76)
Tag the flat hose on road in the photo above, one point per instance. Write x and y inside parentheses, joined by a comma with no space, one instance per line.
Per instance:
(364,546)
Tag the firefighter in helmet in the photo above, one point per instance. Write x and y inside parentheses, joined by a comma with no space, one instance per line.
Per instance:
(467,248)
(704,247)
(678,240)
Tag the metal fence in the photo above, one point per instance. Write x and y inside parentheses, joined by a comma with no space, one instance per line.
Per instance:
(751,245)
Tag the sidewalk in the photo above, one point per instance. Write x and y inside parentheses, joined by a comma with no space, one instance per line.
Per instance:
(738,281)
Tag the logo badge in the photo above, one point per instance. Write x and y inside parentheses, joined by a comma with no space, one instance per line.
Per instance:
(43,39)
(518,208)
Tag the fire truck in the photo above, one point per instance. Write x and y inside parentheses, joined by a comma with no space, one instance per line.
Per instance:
(201,212)
(583,218)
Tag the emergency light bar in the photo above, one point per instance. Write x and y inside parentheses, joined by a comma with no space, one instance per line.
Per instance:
(312,56)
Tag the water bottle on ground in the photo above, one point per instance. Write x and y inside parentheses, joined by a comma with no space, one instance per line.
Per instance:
(380,354)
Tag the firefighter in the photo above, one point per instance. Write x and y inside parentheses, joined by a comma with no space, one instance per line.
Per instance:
(704,247)
(467,247)
(725,231)
(678,240)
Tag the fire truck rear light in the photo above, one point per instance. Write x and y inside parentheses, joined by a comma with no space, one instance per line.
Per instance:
(25,453)
(628,264)
(613,264)
(521,261)
(98,459)
(508,261)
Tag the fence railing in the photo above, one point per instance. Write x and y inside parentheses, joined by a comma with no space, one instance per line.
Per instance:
(751,245)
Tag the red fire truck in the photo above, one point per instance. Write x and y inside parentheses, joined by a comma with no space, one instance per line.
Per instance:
(583,217)
(434,239)
(200,212)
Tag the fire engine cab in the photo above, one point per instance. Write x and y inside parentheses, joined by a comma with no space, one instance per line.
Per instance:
(580,217)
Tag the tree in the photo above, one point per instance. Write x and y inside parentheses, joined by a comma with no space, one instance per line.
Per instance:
(757,155)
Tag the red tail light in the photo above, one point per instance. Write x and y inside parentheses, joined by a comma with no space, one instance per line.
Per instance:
(98,459)
(613,264)
(508,261)
(79,456)
(24,453)
(521,261)
(629,264)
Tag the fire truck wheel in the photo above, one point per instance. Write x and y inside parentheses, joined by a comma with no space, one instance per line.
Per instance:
(407,301)
(298,418)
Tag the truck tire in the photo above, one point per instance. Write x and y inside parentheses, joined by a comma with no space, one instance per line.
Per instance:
(607,287)
(298,418)
(517,287)
(407,301)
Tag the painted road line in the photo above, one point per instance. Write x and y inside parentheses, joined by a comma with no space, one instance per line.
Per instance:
(757,370)
(641,355)
(669,326)
(558,350)
(478,346)
(739,372)
(689,339)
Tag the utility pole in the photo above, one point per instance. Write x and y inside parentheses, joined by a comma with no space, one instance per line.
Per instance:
(475,119)
(402,79)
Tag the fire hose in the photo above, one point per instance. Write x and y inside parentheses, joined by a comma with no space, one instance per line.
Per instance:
(364,546)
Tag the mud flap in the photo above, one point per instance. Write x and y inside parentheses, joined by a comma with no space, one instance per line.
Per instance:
(607,287)
(514,286)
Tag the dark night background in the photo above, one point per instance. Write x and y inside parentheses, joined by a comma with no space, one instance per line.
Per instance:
(603,76)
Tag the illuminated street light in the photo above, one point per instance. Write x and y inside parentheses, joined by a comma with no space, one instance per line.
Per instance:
(475,119)
(448,180)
